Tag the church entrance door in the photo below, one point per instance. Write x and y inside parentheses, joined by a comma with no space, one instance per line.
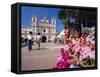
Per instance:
(44,38)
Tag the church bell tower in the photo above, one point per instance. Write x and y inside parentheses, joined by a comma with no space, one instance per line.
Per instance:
(34,24)
(53,22)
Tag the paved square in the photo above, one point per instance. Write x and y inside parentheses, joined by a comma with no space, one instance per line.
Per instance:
(44,58)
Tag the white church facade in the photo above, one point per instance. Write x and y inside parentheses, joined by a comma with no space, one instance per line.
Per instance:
(46,28)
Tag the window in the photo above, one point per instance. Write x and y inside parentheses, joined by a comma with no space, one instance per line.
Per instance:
(44,30)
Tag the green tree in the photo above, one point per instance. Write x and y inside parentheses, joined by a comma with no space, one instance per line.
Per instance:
(88,16)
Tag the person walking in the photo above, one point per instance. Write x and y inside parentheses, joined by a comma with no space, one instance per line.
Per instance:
(38,40)
(29,37)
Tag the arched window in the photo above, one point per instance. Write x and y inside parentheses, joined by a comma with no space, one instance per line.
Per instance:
(34,20)
(44,30)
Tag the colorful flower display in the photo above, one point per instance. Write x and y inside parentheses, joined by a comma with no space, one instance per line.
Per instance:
(78,52)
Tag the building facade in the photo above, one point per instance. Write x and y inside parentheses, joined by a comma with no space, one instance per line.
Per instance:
(46,28)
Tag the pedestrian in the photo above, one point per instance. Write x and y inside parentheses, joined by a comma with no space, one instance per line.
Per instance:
(38,40)
(29,37)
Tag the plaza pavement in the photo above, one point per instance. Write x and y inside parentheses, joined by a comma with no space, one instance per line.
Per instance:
(45,58)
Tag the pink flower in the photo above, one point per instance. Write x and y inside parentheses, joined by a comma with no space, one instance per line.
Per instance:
(62,60)
(83,51)
(92,55)
(77,48)
(87,52)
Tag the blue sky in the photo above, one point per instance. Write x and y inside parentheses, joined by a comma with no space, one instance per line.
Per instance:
(40,12)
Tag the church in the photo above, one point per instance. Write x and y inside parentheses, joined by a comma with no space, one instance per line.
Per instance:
(45,27)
